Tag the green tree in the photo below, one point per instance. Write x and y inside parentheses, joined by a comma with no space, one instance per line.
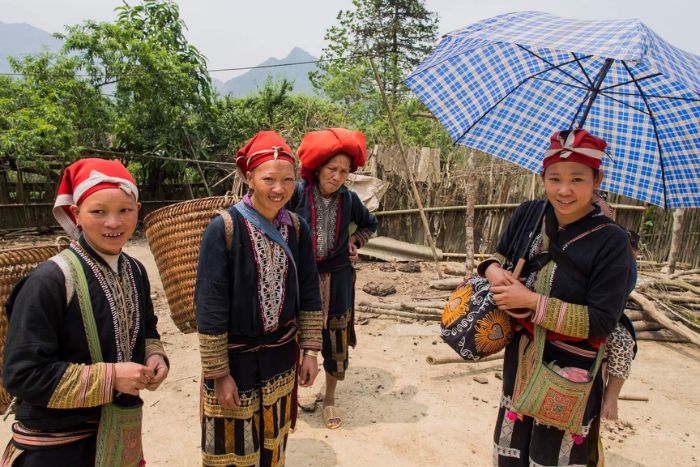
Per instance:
(50,109)
(397,33)
(49,113)
(272,107)
(162,91)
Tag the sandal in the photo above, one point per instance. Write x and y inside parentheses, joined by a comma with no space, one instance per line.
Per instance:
(309,403)
(331,417)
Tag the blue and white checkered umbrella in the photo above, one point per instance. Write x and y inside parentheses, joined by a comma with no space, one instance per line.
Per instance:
(505,84)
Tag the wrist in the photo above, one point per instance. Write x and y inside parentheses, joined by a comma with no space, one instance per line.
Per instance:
(310,353)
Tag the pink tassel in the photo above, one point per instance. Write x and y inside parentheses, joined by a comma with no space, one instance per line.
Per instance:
(512,416)
(578,439)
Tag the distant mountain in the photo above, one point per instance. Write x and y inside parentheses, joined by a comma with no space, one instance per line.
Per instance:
(19,39)
(250,81)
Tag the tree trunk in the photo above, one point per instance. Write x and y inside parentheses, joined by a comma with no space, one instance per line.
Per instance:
(20,195)
(471,201)
(675,239)
(4,188)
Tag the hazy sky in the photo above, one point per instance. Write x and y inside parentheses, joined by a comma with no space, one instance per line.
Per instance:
(237,33)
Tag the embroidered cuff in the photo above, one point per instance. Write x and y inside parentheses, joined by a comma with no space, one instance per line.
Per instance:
(361,237)
(494,258)
(213,350)
(155,347)
(310,326)
(561,317)
(84,386)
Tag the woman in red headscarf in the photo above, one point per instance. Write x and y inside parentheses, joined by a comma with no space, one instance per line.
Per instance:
(327,157)
(571,295)
(82,340)
(257,304)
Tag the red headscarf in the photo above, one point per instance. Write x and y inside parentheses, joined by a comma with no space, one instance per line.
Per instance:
(575,146)
(264,146)
(318,146)
(83,178)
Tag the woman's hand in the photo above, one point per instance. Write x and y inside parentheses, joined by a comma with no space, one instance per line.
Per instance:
(130,377)
(160,371)
(308,371)
(352,250)
(226,392)
(513,295)
(496,275)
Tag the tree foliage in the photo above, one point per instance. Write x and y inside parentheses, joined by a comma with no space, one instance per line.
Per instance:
(162,91)
(51,110)
(273,107)
(396,33)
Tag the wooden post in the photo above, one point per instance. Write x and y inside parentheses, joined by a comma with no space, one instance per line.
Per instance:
(469,218)
(675,239)
(409,169)
(204,179)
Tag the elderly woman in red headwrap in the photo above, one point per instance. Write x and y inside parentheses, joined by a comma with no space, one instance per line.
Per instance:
(570,297)
(82,340)
(327,157)
(257,304)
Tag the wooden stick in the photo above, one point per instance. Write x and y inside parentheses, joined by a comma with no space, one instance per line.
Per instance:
(686,272)
(633,397)
(443,360)
(662,335)
(409,169)
(661,318)
(446,284)
(642,325)
(680,284)
(636,315)
(404,314)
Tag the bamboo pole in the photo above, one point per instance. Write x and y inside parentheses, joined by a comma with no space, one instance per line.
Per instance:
(621,207)
(409,169)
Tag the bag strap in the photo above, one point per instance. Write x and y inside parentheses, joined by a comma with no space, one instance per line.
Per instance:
(81,290)
(541,337)
(228,227)
(295,223)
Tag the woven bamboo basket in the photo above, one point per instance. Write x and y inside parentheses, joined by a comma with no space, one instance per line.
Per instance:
(174,233)
(16,263)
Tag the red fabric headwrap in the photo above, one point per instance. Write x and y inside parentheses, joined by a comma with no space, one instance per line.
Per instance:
(318,146)
(83,178)
(264,146)
(575,146)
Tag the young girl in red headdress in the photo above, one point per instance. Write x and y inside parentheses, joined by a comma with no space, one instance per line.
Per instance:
(570,298)
(257,305)
(327,157)
(82,340)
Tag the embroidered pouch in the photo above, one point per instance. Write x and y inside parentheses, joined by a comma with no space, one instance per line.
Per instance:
(119,437)
(471,322)
(542,393)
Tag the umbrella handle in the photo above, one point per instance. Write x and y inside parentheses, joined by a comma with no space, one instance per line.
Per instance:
(516,274)
(518,268)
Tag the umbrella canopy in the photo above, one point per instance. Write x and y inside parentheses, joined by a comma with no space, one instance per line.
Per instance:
(505,84)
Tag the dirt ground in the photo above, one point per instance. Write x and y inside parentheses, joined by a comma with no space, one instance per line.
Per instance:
(399,411)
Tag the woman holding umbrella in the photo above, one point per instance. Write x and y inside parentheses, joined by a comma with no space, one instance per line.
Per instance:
(580,266)
(327,157)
